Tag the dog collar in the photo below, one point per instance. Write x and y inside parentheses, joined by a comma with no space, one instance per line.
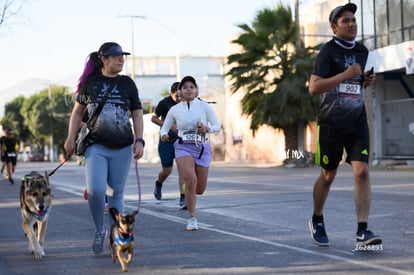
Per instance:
(39,217)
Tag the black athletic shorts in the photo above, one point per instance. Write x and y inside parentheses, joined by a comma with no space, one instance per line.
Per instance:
(331,143)
(11,157)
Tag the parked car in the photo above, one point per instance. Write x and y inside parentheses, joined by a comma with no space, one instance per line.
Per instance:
(36,156)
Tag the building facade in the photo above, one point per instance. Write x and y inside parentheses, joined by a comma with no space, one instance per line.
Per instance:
(386,28)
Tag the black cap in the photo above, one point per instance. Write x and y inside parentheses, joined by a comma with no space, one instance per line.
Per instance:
(336,12)
(187,79)
(111,48)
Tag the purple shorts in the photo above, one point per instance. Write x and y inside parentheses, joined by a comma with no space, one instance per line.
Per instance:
(202,157)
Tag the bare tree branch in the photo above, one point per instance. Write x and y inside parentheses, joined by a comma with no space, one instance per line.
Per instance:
(9,9)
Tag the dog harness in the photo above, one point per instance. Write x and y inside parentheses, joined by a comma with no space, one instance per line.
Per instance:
(122,241)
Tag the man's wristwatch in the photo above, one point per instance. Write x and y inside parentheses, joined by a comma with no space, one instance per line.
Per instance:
(140,140)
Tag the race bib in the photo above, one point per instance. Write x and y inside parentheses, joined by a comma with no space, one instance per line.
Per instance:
(192,137)
(11,154)
(347,88)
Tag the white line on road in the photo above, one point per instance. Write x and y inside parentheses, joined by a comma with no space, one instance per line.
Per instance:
(276,244)
(254,239)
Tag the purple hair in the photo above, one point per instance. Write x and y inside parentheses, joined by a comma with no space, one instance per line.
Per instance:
(93,65)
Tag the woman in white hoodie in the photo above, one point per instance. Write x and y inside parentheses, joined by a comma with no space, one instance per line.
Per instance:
(194,119)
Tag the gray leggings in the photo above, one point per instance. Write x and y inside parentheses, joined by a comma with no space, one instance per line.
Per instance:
(106,167)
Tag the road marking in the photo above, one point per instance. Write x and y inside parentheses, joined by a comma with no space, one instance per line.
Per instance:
(276,244)
(254,239)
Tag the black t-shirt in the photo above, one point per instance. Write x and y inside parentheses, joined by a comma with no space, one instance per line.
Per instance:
(9,145)
(113,127)
(342,106)
(161,111)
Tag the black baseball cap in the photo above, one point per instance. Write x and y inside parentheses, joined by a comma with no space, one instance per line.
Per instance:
(336,12)
(187,78)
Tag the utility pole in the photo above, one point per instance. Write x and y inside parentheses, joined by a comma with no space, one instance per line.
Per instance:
(51,141)
(297,25)
(301,126)
(132,17)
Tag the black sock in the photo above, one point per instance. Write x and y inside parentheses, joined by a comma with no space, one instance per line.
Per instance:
(317,219)
(362,226)
(159,184)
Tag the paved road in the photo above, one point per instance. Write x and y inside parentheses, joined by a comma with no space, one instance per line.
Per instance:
(252,221)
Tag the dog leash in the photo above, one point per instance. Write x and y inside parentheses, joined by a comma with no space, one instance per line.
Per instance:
(138,186)
(60,165)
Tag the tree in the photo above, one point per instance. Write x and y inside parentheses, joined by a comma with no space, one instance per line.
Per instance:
(14,119)
(273,74)
(47,114)
(9,9)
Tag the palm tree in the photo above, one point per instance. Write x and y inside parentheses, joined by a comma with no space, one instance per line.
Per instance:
(273,74)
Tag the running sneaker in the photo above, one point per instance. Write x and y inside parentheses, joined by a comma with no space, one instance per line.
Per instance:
(98,242)
(192,224)
(183,205)
(318,233)
(367,237)
(85,195)
(11,180)
(157,190)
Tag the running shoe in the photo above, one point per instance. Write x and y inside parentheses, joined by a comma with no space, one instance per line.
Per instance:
(11,180)
(318,233)
(98,242)
(157,190)
(85,195)
(367,237)
(183,205)
(192,224)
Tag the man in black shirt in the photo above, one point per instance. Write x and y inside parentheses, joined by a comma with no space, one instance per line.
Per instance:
(339,80)
(10,148)
(166,149)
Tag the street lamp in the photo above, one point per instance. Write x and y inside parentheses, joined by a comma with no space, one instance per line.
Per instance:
(177,54)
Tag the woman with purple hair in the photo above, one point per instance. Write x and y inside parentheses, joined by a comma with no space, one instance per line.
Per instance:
(112,141)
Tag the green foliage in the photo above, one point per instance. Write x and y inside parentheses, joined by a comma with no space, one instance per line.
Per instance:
(13,118)
(39,116)
(273,74)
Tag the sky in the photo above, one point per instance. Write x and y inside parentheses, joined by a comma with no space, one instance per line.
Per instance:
(51,39)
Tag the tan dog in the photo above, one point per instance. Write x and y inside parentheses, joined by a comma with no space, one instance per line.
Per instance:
(122,237)
(35,204)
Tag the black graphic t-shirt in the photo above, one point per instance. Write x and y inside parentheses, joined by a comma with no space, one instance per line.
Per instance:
(161,111)
(342,106)
(113,126)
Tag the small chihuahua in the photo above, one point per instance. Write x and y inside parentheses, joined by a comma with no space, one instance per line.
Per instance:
(122,237)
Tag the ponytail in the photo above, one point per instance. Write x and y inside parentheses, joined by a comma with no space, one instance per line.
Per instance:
(93,66)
